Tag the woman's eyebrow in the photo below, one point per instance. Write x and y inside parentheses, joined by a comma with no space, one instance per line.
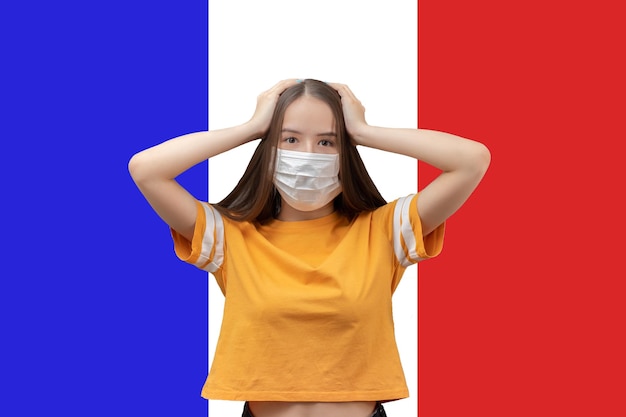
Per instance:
(319,134)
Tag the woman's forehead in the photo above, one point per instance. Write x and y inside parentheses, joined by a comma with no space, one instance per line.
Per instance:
(308,114)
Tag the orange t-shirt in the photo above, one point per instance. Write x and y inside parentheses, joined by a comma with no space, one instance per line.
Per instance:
(307,313)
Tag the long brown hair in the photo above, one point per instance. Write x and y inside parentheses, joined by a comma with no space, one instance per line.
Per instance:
(255,198)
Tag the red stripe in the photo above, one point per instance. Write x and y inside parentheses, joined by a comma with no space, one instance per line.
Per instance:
(522,314)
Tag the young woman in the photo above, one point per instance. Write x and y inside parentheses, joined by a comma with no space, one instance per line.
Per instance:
(305,249)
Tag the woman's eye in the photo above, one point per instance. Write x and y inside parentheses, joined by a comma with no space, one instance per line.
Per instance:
(290,140)
(326,143)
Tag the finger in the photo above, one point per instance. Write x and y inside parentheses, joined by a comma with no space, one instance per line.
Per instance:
(336,86)
(281,86)
(344,91)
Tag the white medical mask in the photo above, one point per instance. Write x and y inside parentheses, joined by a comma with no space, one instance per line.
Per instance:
(307,181)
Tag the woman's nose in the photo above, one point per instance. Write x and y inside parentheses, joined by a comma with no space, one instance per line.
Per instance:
(309,146)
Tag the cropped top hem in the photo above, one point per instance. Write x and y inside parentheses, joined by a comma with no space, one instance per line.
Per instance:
(291,396)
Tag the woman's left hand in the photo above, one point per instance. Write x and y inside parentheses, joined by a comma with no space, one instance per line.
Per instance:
(353,111)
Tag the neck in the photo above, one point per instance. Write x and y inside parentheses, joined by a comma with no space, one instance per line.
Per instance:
(290,214)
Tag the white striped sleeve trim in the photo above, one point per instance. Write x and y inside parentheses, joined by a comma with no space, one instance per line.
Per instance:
(403,232)
(212,241)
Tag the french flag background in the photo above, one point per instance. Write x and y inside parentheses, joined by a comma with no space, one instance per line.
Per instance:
(523,314)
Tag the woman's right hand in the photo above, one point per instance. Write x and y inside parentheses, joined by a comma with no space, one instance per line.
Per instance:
(155,169)
(266,102)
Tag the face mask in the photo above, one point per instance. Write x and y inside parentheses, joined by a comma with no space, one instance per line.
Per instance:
(307,181)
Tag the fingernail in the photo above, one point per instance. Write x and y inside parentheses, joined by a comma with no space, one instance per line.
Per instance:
(298,81)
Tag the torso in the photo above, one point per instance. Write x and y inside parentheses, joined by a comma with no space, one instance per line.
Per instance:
(312,409)
(301,326)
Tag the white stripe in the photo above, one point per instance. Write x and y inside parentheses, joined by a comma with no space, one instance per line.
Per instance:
(407,231)
(213,236)
(403,232)
(397,232)
(234,85)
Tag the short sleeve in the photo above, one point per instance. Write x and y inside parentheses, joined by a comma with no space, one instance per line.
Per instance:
(409,245)
(206,249)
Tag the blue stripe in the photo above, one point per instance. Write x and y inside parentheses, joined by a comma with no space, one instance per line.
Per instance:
(99,318)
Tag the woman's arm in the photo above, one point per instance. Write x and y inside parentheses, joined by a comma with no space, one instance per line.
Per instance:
(463,161)
(154,170)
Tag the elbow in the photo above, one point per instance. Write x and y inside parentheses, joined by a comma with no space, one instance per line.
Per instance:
(482,158)
(136,168)
(475,161)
